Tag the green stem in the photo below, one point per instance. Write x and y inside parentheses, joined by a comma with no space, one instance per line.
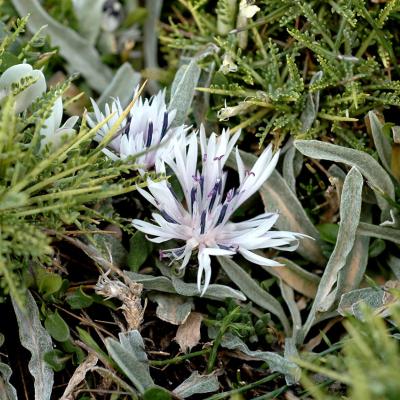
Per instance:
(245,388)
(256,117)
(217,341)
(178,359)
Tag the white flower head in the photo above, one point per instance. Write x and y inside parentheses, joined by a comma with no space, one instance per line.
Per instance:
(203,222)
(52,133)
(13,75)
(147,126)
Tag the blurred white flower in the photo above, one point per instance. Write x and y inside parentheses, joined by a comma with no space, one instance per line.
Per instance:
(52,133)
(203,221)
(148,125)
(13,75)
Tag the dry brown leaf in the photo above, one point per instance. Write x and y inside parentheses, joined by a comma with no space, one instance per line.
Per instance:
(188,334)
(78,376)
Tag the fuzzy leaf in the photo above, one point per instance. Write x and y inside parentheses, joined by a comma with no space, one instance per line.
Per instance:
(375,297)
(182,90)
(164,284)
(382,144)
(350,208)
(172,309)
(89,14)
(130,356)
(197,384)
(370,168)
(252,290)
(123,86)
(274,360)
(35,339)
(7,391)
(80,54)
(150,38)
(296,277)
(380,232)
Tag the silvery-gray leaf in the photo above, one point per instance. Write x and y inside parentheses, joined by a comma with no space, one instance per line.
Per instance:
(164,284)
(274,360)
(291,352)
(253,290)
(277,196)
(296,277)
(122,86)
(368,166)
(288,168)
(150,39)
(394,219)
(310,111)
(130,356)
(182,90)
(288,296)
(352,274)
(89,14)
(380,232)
(172,309)
(382,143)
(7,391)
(37,340)
(79,53)
(377,298)
(197,384)
(350,209)
(394,264)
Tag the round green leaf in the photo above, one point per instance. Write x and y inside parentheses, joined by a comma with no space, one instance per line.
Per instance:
(57,327)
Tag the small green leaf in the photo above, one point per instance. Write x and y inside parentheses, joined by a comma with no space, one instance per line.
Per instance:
(79,299)
(57,327)
(56,359)
(328,232)
(48,282)
(139,249)
(156,393)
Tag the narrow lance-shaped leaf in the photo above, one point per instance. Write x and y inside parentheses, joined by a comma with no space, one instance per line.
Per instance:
(368,166)
(150,38)
(275,361)
(7,391)
(350,209)
(352,274)
(297,278)
(122,86)
(176,285)
(253,291)
(130,356)
(35,339)
(182,90)
(197,384)
(81,55)
(380,232)
(381,142)
(277,196)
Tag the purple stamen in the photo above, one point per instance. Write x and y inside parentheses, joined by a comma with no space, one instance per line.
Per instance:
(230,195)
(205,157)
(128,125)
(203,222)
(149,134)
(167,217)
(219,158)
(222,214)
(193,193)
(164,125)
(248,173)
(213,194)
(202,185)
